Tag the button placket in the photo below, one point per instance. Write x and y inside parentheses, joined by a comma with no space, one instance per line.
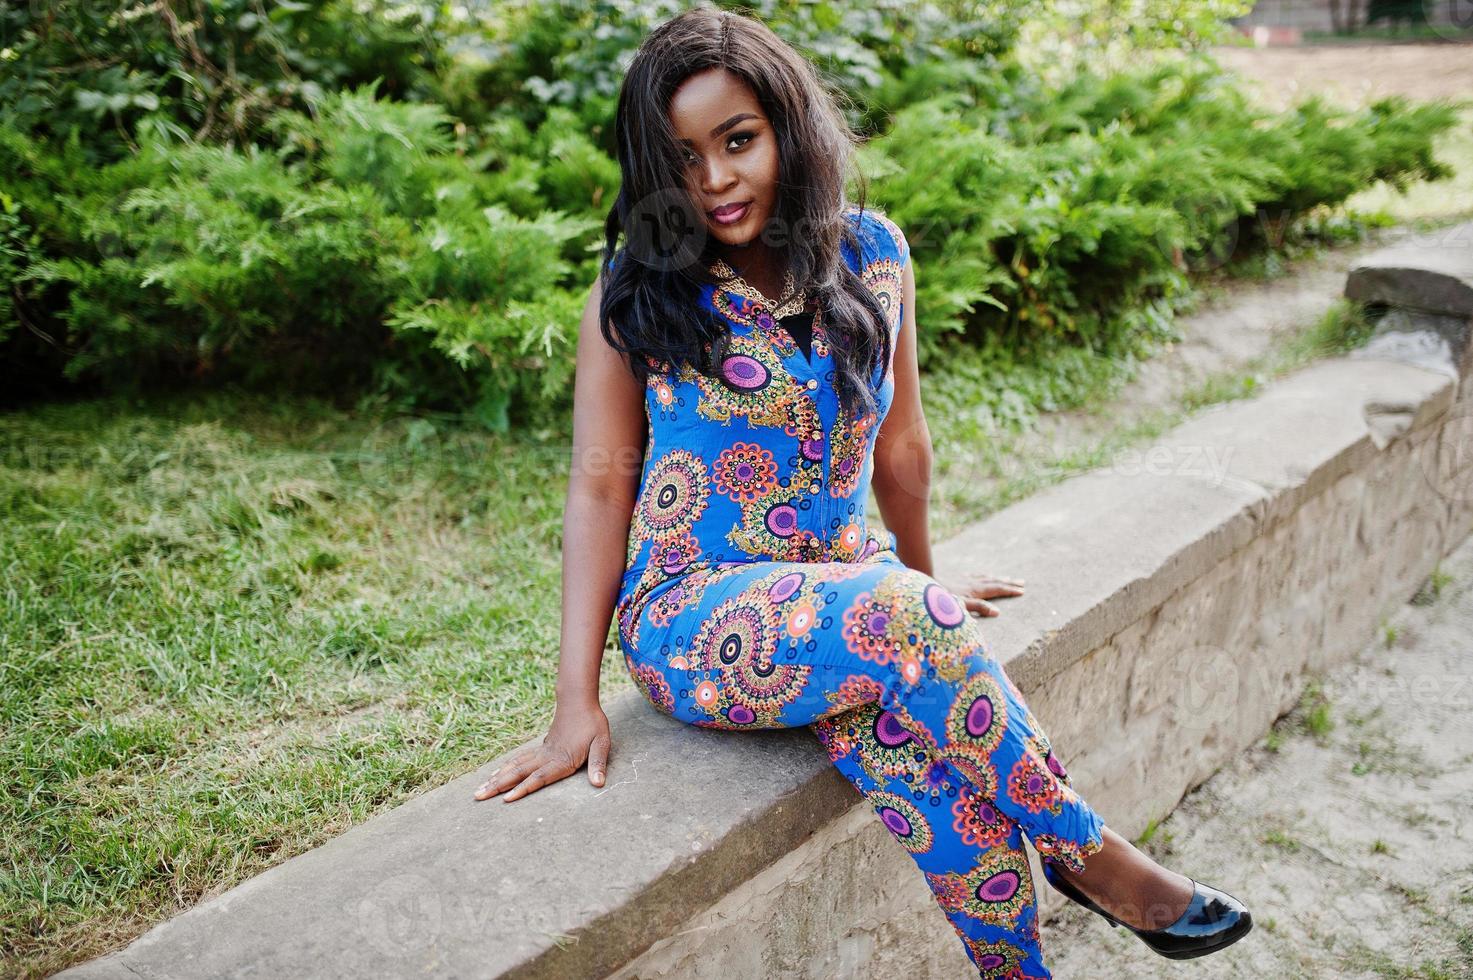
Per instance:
(823,400)
(807,373)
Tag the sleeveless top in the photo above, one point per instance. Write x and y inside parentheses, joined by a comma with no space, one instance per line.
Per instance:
(766,466)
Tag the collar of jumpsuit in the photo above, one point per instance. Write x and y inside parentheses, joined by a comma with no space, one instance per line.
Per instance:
(789,312)
(762,463)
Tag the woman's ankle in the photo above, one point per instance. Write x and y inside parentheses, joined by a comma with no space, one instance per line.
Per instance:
(1130,885)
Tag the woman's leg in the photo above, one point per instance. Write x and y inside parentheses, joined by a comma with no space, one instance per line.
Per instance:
(972,855)
(894,677)
(958,771)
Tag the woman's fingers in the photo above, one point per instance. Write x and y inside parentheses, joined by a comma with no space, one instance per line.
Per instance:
(598,759)
(575,737)
(991,586)
(550,772)
(505,776)
(981,607)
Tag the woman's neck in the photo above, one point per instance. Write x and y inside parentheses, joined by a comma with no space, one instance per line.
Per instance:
(759,265)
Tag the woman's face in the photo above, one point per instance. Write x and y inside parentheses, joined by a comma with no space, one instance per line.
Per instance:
(731,153)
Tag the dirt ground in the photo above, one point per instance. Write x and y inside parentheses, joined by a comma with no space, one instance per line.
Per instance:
(1355,74)
(1347,831)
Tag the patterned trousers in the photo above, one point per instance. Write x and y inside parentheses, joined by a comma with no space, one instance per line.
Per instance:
(894,677)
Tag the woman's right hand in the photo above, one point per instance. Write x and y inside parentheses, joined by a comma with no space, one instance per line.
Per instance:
(578,732)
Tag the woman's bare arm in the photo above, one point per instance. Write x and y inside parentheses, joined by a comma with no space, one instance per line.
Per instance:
(902,476)
(903,452)
(603,481)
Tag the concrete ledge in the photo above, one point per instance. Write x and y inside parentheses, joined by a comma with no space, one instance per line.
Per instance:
(1432,272)
(1175,602)
(444,885)
(1427,284)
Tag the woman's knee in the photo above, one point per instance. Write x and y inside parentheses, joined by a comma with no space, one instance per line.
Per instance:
(909,622)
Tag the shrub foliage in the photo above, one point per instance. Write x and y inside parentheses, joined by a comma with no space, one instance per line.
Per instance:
(372,198)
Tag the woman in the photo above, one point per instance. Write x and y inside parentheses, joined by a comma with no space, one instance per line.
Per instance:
(755,344)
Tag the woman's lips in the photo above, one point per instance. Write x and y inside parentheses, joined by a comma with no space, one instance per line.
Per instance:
(730,216)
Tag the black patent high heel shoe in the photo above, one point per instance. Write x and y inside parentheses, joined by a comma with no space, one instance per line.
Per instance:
(1213,919)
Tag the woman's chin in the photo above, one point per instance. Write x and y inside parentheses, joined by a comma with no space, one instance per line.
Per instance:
(733,236)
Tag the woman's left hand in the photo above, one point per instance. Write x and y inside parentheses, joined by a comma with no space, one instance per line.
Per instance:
(975,590)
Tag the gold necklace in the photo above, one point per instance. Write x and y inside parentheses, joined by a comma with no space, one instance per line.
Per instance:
(740,287)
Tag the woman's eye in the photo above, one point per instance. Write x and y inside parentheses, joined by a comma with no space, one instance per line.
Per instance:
(745,137)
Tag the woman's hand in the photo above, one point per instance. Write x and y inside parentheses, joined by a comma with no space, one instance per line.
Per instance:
(974,590)
(578,732)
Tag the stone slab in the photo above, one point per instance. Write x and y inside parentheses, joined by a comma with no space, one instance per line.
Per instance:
(1102,550)
(570,881)
(1432,271)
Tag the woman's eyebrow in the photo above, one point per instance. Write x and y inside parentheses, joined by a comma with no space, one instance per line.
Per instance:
(728,124)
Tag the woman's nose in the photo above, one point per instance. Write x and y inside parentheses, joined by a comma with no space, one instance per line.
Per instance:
(717,178)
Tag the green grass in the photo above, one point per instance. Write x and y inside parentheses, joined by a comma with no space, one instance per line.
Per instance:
(1430,591)
(1280,839)
(236,628)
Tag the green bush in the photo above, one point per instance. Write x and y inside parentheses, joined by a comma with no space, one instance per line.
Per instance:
(363,254)
(206,70)
(1076,208)
(370,241)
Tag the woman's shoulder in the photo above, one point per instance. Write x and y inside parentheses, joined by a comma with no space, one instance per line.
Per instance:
(879,236)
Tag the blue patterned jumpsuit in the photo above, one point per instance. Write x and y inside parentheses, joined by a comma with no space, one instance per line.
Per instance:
(757,596)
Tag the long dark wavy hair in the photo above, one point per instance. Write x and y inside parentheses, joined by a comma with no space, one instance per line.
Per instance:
(650,290)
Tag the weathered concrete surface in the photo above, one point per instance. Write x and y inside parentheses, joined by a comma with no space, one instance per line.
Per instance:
(1335,544)
(1353,847)
(1263,540)
(1135,532)
(845,904)
(1427,280)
